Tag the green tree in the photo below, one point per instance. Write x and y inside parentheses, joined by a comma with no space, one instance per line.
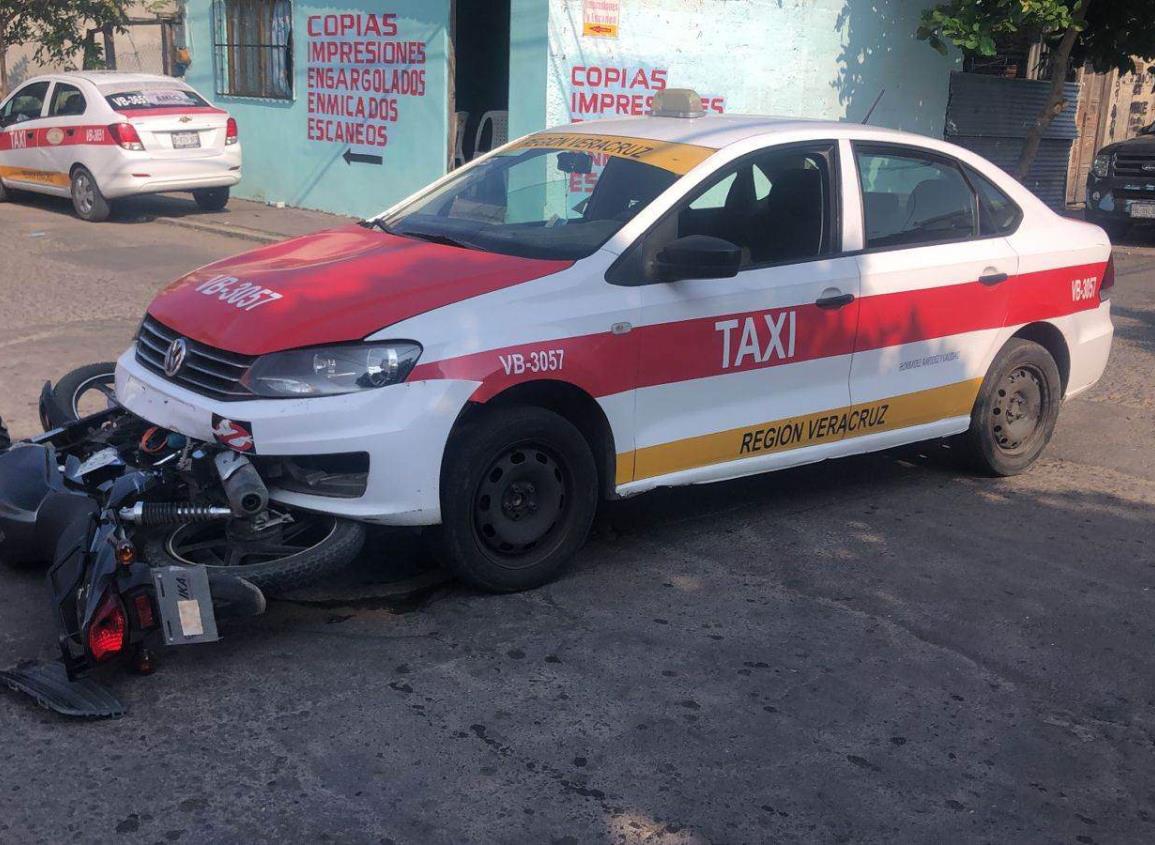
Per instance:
(1103,33)
(61,29)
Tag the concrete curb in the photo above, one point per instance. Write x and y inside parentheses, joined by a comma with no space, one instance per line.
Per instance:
(228,231)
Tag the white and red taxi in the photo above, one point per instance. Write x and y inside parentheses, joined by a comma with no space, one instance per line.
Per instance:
(614,306)
(96,136)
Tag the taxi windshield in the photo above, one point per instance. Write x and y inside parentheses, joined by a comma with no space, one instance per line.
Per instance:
(163,97)
(539,202)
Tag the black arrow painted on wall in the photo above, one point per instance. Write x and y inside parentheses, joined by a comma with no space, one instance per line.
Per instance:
(351,157)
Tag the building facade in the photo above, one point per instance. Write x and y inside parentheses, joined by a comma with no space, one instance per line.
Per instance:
(351,106)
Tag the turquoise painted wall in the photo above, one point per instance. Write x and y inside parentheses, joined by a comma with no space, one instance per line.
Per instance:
(282,164)
(807,58)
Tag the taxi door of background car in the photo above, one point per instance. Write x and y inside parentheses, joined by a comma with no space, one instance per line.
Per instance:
(20,117)
(934,289)
(62,134)
(738,368)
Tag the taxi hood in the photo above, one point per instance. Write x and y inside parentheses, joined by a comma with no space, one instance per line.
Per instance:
(333,286)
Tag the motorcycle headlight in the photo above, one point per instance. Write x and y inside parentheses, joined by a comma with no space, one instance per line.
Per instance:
(332,370)
(1102,166)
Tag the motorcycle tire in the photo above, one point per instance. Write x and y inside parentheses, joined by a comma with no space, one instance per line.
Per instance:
(74,387)
(324,546)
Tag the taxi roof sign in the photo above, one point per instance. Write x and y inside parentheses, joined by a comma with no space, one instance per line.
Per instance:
(678,102)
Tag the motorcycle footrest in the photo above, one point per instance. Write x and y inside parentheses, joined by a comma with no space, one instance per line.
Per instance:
(49,685)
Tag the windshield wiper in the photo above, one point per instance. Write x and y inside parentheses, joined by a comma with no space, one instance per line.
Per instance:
(377,223)
(437,239)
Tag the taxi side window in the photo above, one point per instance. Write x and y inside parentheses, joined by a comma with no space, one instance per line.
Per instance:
(774,206)
(66,101)
(912,199)
(26,104)
(998,213)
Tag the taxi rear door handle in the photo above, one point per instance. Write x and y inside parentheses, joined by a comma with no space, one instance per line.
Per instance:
(837,301)
(993,278)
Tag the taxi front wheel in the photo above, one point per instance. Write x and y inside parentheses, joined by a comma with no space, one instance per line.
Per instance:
(1016,410)
(87,199)
(519,490)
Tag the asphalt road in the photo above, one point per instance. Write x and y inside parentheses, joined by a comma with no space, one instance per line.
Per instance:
(877,650)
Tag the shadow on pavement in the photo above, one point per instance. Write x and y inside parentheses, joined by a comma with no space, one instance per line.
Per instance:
(141,209)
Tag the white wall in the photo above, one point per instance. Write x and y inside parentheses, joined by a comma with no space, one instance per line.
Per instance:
(808,58)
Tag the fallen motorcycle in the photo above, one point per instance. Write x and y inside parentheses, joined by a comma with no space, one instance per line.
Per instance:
(150,539)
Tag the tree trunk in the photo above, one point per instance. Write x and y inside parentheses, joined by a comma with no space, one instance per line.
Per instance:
(1055,102)
(3,65)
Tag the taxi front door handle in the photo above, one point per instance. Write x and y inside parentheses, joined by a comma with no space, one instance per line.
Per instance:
(993,278)
(838,301)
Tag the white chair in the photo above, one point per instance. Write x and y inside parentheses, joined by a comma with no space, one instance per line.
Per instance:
(461,118)
(498,133)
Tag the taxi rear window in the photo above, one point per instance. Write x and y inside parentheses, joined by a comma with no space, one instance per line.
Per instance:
(155,98)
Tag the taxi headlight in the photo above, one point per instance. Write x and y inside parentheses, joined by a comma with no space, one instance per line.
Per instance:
(332,370)
(1102,166)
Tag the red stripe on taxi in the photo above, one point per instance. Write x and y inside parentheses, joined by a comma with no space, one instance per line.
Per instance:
(691,349)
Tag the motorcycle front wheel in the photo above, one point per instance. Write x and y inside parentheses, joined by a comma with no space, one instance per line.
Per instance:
(285,557)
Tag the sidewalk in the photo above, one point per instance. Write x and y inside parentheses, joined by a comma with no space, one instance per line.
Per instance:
(244,219)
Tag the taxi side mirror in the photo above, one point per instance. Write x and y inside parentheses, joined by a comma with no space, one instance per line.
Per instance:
(698,257)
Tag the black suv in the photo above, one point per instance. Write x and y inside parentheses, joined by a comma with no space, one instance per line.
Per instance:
(1121,186)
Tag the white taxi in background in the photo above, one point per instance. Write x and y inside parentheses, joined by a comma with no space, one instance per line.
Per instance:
(97,136)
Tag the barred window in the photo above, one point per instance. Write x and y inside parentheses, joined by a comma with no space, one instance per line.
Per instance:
(253,48)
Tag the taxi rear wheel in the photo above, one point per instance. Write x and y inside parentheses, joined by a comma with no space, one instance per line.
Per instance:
(1016,410)
(211,199)
(87,199)
(5,194)
(519,491)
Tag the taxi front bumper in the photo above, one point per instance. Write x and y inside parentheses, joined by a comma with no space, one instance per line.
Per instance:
(402,428)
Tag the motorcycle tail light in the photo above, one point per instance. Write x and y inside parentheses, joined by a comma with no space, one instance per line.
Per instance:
(231,131)
(1108,280)
(108,632)
(126,135)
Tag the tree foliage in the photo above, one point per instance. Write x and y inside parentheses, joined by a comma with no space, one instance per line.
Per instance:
(1105,34)
(1111,34)
(62,30)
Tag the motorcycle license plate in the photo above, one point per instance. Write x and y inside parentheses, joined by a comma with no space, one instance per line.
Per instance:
(186,605)
(186,140)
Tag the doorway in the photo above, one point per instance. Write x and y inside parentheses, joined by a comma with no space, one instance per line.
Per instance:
(479,98)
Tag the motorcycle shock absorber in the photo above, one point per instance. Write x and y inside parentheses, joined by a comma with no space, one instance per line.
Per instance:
(151,514)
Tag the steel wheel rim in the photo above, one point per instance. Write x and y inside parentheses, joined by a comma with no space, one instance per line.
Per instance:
(1017,410)
(208,544)
(520,503)
(102,385)
(83,192)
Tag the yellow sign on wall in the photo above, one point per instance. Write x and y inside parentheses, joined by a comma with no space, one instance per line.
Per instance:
(600,18)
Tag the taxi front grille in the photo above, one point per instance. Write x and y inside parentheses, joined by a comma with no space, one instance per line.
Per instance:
(208,371)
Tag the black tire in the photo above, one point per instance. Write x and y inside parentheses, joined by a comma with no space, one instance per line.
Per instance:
(519,490)
(1023,387)
(5,193)
(75,388)
(87,200)
(5,439)
(337,543)
(211,199)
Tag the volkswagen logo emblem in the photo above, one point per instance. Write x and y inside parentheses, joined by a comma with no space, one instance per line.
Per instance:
(174,358)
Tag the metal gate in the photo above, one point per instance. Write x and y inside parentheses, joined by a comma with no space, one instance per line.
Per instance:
(991,115)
